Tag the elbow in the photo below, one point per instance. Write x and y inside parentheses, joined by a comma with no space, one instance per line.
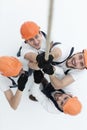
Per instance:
(14,107)
(58,86)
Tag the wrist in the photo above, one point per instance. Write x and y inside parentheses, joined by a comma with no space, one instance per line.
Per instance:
(21,88)
(19,91)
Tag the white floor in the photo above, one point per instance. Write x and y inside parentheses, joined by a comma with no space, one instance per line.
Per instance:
(69,27)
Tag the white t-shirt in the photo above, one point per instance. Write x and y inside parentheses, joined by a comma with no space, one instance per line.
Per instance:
(60,69)
(5,83)
(75,73)
(46,103)
(26,48)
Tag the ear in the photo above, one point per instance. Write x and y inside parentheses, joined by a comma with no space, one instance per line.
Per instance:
(70,95)
(40,33)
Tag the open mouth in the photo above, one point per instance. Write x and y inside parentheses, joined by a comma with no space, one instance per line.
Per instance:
(73,61)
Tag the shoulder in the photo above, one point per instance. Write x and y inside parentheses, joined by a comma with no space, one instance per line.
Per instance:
(4,83)
(3,78)
(77,74)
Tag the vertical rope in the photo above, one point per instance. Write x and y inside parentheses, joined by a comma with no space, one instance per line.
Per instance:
(49,28)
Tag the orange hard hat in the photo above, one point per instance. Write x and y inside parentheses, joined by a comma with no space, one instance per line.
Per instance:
(85,57)
(10,66)
(72,106)
(29,29)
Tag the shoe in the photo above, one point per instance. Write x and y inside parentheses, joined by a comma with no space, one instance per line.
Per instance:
(31,97)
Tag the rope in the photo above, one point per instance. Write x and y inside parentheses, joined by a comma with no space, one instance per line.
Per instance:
(49,29)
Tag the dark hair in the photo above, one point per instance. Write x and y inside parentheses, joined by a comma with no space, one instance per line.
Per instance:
(55,103)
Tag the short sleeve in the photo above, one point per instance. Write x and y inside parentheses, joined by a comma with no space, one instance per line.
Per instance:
(4,83)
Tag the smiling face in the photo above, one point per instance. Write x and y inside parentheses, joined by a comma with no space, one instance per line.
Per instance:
(35,42)
(76,61)
(61,98)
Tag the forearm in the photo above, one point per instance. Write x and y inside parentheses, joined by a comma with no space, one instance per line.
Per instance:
(57,84)
(13,100)
(30,56)
(56,53)
(61,83)
(33,65)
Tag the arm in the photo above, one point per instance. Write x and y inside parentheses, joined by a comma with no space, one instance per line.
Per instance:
(56,53)
(33,66)
(54,75)
(31,57)
(36,60)
(13,100)
(61,83)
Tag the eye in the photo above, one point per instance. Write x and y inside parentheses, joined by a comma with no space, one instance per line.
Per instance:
(80,57)
(31,39)
(81,63)
(61,103)
(65,98)
(36,36)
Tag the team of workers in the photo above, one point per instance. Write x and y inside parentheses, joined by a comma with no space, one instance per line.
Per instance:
(63,67)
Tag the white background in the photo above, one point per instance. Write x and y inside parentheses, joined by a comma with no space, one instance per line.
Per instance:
(69,27)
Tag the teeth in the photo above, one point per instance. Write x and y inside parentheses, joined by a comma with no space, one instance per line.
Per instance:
(73,62)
